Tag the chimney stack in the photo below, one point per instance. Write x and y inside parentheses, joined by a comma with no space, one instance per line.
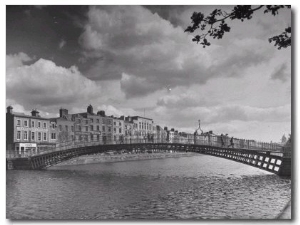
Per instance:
(101,113)
(90,109)
(9,109)
(35,113)
(63,112)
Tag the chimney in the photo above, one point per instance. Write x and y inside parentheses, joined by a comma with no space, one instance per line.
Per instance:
(90,109)
(9,109)
(101,113)
(63,112)
(166,128)
(35,113)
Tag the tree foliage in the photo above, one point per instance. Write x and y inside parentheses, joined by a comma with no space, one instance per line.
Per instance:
(215,24)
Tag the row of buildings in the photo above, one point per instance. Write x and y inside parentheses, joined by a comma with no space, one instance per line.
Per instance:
(32,134)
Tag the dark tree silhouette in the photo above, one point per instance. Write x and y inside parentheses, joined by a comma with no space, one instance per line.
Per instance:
(214,24)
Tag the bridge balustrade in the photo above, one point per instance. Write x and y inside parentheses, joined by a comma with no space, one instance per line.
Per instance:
(202,140)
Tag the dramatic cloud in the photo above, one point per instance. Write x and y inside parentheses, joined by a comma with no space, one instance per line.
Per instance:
(16,60)
(154,54)
(45,84)
(137,60)
(185,100)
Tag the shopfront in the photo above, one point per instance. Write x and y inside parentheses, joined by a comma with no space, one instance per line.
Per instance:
(26,149)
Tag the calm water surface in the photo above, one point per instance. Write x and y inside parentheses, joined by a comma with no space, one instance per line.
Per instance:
(197,187)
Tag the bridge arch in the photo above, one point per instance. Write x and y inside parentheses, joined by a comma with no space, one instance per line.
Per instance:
(262,159)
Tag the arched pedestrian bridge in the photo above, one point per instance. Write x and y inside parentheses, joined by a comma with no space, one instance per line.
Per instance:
(278,162)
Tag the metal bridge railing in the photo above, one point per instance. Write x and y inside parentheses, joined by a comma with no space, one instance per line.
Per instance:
(198,140)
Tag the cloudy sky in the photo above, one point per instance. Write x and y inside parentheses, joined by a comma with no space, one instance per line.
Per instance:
(136,60)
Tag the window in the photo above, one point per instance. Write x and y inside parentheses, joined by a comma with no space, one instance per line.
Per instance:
(67,128)
(53,136)
(32,123)
(45,125)
(91,127)
(79,128)
(98,128)
(39,136)
(114,130)
(115,123)
(60,128)
(25,123)
(109,129)
(120,124)
(86,128)
(86,122)
(72,128)
(98,121)
(103,128)
(39,124)
(120,130)
(25,135)
(32,136)
(45,136)
(92,120)
(140,126)
(18,122)
(53,125)
(18,135)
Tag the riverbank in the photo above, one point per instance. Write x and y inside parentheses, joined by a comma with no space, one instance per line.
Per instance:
(104,158)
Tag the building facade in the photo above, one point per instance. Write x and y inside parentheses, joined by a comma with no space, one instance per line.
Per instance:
(63,129)
(118,129)
(107,127)
(87,126)
(27,134)
(143,128)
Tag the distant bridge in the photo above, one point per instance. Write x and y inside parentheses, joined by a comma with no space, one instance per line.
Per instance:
(278,162)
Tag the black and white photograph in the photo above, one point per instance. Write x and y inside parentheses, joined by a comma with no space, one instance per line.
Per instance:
(149,112)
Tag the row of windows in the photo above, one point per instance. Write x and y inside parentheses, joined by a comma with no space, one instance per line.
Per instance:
(120,130)
(86,128)
(115,123)
(107,121)
(25,124)
(35,136)
(66,128)
(145,126)
(86,121)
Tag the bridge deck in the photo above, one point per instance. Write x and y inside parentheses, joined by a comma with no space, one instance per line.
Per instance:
(263,159)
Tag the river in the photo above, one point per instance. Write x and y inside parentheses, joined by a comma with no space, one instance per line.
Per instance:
(196,187)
